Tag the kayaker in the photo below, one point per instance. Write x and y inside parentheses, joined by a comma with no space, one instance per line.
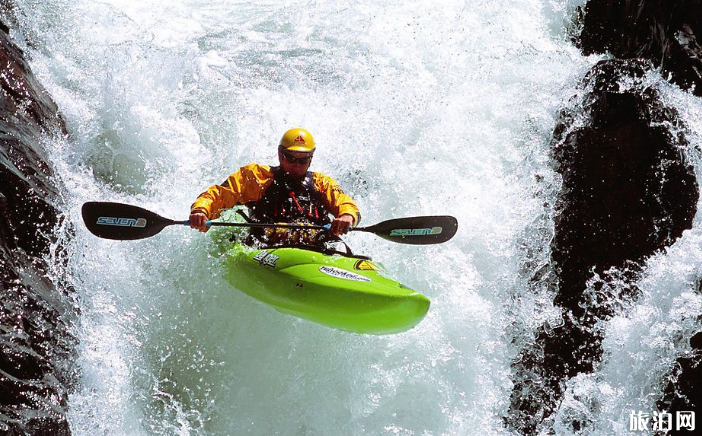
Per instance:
(287,193)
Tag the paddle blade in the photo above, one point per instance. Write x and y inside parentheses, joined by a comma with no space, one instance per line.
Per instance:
(419,230)
(122,222)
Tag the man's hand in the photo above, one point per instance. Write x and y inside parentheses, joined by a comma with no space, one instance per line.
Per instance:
(340,225)
(198,221)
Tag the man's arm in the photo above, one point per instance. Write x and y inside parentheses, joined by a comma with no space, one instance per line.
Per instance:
(247,184)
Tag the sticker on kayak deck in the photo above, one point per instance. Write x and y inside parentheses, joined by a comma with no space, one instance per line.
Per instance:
(417,232)
(266,259)
(343,274)
(364,265)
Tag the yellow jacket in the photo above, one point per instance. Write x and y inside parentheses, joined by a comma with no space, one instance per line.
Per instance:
(250,183)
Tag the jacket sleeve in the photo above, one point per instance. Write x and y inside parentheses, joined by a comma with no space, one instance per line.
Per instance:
(243,186)
(338,202)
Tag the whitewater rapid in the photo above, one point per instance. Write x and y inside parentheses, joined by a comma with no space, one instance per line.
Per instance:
(417,108)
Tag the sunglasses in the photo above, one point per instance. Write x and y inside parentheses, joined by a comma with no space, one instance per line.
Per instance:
(301,160)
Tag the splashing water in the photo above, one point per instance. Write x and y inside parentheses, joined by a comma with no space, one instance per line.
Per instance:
(418,108)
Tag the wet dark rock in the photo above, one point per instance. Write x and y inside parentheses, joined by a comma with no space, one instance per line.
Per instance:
(627,188)
(666,32)
(627,192)
(35,313)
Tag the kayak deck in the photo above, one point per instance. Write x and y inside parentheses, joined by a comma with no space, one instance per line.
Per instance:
(346,292)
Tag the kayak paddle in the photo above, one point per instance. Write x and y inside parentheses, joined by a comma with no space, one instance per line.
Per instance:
(124,222)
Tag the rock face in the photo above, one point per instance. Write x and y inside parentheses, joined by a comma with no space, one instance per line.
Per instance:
(627,192)
(666,32)
(627,189)
(35,313)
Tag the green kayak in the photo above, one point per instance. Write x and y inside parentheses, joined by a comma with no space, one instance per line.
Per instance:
(335,289)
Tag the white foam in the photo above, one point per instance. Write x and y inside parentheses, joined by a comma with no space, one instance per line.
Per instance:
(417,108)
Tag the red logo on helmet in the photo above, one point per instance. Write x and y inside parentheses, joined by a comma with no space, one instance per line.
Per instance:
(299,140)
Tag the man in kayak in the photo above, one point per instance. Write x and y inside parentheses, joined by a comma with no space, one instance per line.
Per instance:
(286,193)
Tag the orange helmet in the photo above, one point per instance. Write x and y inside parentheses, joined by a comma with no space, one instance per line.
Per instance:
(297,140)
